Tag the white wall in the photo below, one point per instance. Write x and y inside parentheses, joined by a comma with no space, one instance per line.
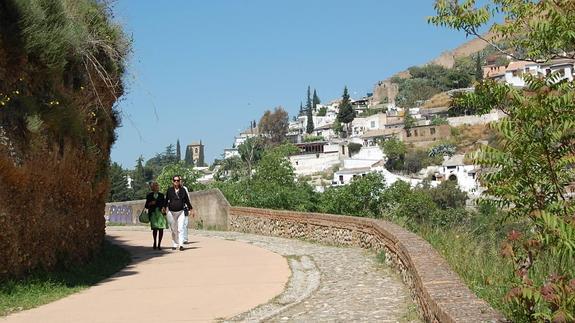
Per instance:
(465,180)
(372,152)
(475,119)
(310,164)
(358,163)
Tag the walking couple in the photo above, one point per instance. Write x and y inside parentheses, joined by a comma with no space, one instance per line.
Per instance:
(178,206)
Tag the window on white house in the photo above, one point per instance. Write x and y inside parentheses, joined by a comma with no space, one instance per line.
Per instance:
(373,124)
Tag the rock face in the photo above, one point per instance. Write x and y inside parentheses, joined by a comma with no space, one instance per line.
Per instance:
(56,130)
(385,91)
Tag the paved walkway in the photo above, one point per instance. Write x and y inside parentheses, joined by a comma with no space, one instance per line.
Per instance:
(228,276)
(329,284)
(212,279)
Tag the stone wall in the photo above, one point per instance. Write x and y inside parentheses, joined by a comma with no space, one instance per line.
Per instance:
(441,295)
(211,208)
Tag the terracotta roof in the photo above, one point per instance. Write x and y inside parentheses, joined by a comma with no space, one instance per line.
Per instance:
(515,65)
(490,71)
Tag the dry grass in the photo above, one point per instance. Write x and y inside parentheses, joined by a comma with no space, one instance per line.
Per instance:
(468,138)
(437,101)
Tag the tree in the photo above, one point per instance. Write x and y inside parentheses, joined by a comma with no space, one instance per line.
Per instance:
(530,170)
(345,113)
(315,100)
(155,164)
(231,169)
(274,126)
(309,113)
(301,110)
(394,150)
(362,197)
(337,127)
(478,68)
(187,173)
(139,182)
(408,120)
(170,154)
(178,151)
(251,152)
(119,190)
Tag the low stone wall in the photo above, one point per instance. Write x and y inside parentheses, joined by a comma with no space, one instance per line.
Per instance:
(124,212)
(441,295)
(211,208)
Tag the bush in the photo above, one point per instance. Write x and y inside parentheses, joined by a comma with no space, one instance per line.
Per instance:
(354,148)
(362,197)
(311,138)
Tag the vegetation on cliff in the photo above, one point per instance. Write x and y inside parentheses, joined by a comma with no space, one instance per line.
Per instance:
(61,68)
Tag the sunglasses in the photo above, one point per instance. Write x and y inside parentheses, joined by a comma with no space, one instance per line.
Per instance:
(176,180)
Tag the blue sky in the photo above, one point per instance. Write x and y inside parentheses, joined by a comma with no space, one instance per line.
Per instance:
(203,69)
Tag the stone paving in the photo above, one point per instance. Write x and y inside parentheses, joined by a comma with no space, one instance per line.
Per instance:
(329,284)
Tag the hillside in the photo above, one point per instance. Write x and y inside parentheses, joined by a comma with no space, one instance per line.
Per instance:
(385,91)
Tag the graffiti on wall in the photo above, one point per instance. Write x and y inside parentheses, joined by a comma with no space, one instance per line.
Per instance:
(120,214)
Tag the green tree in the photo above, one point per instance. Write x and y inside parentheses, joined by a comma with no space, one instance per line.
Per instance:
(273,126)
(309,113)
(315,100)
(346,114)
(188,174)
(394,150)
(478,68)
(362,197)
(408,120)
(529,172)
(178,151)
(322,112)
(158,162)
(231,169)
(119,190)
(139,182)
(337,127)
(251,152)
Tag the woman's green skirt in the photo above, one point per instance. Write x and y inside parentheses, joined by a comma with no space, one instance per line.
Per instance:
(158,220)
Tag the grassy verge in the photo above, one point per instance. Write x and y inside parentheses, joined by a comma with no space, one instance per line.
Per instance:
(41,288)
(476,260)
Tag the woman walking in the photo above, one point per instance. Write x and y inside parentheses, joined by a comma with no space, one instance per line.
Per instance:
(155,202)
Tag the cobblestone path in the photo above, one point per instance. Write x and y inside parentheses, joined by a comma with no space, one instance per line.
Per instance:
(329,284)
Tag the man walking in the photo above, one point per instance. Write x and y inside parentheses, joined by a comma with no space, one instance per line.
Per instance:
(176,199)
(186,213)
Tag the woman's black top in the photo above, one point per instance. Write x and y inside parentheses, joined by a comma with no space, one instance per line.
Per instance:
(176,201)
(160,201)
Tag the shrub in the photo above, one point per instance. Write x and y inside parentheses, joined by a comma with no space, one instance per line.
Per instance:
(361,197)
(354,148)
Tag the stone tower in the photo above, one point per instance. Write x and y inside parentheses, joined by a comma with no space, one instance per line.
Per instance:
(195,154)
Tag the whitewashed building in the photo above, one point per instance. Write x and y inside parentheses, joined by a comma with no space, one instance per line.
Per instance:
(454,169)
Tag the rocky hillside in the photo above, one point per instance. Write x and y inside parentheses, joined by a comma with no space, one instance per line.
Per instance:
(385,90)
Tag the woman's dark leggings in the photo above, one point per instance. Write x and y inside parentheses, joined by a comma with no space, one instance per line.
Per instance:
(161,235)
